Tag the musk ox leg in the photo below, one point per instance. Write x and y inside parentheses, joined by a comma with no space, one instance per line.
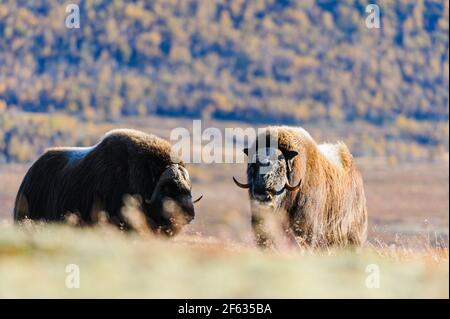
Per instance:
(271,229)
(262,235)
(268,235)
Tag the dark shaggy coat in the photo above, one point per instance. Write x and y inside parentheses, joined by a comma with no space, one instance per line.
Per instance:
(88,180)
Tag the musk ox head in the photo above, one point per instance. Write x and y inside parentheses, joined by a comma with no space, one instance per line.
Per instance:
(269,170)
(269,175)
(171,205)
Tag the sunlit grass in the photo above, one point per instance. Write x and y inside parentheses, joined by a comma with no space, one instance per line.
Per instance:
(33,262)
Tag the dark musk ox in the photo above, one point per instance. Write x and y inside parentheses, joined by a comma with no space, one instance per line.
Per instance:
(89,180)
(316,187)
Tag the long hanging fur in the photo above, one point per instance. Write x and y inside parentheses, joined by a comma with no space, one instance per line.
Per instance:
(86,181)
(329,209)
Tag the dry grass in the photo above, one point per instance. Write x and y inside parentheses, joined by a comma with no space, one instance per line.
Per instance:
(33,260)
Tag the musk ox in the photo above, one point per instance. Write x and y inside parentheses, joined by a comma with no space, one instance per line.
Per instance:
(88,180)
(317,188)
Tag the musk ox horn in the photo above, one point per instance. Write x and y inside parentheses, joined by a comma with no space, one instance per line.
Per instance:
(239,184)
(198,199)
(293,188)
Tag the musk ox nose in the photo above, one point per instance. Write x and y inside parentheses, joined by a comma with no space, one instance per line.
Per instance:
(181,209)
(261,194)
(188,210)
(189,218)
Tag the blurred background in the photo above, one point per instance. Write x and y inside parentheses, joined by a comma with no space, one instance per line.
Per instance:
(157,65)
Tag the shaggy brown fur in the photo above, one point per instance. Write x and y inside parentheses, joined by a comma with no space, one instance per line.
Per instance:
(88,180)
(329,208)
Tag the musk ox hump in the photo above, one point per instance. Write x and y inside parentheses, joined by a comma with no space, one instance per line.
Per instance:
(141,143)
(337,154)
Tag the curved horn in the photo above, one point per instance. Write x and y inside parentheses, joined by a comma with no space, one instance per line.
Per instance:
(240,184)
(198,199)
(293,188)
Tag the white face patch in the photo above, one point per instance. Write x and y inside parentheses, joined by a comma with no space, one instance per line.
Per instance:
(184,172)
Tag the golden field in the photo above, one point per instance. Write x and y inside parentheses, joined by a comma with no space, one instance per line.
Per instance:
(33,261)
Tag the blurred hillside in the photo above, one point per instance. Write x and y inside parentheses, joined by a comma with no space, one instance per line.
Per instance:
(295,62)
